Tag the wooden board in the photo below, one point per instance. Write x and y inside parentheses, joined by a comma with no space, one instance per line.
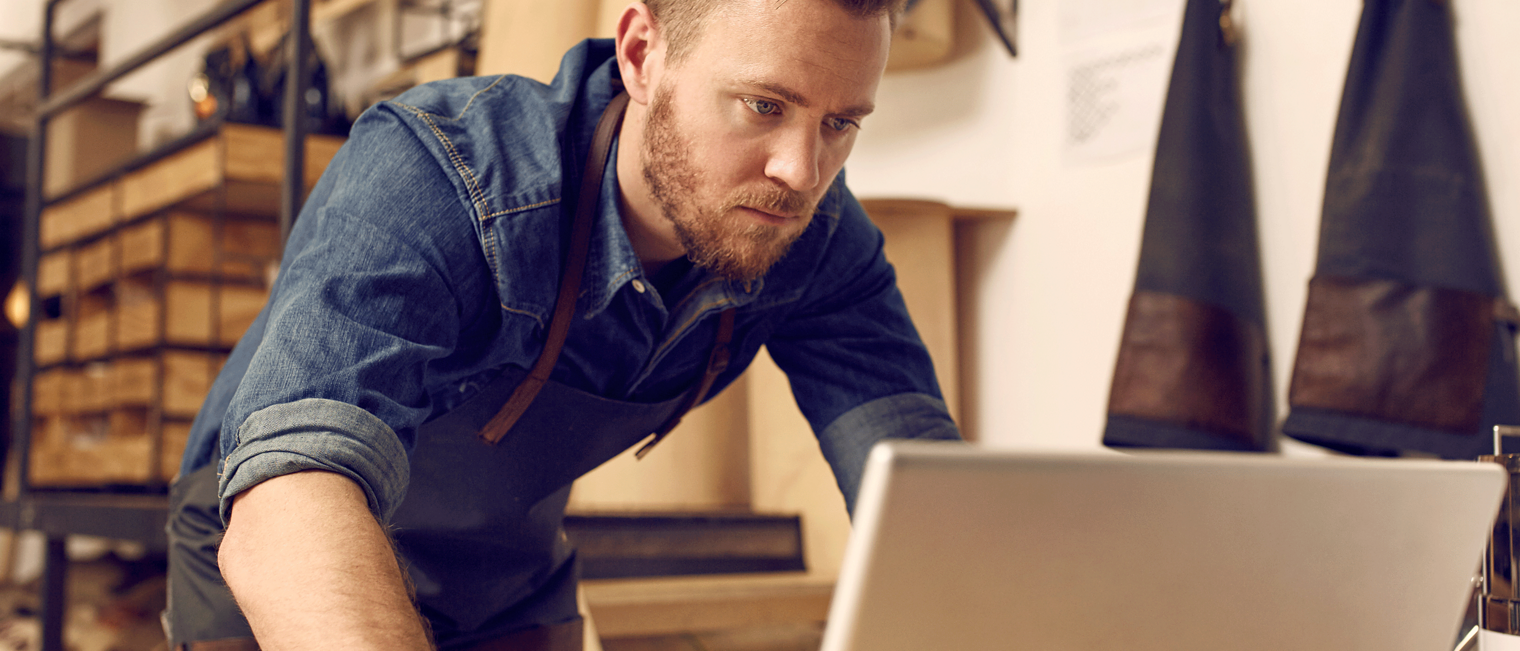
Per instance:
(187,377)
(186,173)
(134,381)
(48,391)
(137,324)
(239,306)
(172,439)
(187,308)
(95,263)
(54,273)
(185,243)
(245,162)
(257,154)
(96,450)
(85,215)
(187,380)
(180,316)
(101,424)
(191,243)
(645,607)
(118,447)
(50,343)
(253,240)
(925,37)
(93,336)
(91,390)
(48,455)
(184,308)
(142,246)
(88,140)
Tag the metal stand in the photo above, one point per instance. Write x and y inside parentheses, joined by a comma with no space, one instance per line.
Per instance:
(125,517)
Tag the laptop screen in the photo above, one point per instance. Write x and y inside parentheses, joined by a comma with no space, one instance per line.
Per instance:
(957,547)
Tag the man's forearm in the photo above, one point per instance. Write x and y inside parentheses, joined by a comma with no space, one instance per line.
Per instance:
(311,568)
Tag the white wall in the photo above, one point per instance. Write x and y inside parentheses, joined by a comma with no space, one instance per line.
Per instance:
(986,130)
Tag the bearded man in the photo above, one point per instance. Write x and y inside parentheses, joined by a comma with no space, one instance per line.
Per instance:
(496,286)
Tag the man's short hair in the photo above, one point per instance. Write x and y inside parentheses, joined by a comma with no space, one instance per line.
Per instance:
(681,20)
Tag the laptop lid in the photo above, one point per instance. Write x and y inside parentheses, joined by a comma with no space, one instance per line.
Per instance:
(957,547)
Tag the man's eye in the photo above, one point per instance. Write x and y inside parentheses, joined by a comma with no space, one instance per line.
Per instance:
(841,124)
(763,107)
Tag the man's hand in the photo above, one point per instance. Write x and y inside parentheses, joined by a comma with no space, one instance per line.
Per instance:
(312,569)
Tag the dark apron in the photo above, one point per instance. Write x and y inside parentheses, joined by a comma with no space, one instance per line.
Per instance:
(480,528)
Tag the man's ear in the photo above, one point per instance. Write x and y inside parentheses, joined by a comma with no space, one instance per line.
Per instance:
(640,51)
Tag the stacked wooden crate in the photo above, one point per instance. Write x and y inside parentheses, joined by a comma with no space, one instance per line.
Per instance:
(146,282)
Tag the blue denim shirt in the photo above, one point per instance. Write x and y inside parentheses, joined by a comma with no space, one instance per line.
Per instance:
(427,258)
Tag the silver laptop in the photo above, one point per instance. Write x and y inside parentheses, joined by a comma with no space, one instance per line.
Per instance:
(965,549)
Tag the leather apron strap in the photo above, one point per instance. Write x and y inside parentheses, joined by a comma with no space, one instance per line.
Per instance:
(717,362)
(569,290)
(570,277)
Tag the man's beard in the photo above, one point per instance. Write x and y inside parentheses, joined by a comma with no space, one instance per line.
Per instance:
(725,243)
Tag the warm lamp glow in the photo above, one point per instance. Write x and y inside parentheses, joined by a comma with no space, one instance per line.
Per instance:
(18,305)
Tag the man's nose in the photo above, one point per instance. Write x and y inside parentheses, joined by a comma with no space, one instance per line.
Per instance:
(794,159)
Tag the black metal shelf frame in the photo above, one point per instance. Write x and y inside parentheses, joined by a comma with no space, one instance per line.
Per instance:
(128,517)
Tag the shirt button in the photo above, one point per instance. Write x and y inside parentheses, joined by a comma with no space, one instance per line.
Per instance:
(638,285)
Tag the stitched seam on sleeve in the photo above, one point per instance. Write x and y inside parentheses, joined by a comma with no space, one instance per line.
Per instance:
(476,196)
(478,93)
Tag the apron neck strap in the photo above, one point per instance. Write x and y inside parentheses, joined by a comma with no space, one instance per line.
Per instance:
(570,278)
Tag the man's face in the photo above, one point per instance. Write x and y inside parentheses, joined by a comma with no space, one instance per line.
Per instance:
(747,132)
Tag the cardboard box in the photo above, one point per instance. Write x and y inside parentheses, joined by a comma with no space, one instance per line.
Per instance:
(89,140)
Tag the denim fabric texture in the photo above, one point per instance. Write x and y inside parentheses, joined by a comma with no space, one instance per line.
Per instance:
(427,259)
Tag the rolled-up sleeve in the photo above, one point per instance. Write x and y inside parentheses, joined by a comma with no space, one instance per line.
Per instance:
(316,434)
(847,442)
(382,273)
(858,369)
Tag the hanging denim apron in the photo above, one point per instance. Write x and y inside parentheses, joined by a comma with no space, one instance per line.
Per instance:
(480,529)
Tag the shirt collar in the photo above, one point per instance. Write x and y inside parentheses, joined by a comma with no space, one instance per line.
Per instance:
(613,263)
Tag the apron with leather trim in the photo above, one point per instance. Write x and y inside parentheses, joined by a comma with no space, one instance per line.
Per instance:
(481,525)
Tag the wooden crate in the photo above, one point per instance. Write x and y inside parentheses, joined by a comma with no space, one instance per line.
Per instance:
(93,450)
(88,140)
(119,422)
(127,382)
(239,307)
(91,390)
(238,171)
(49,389)
(95,263)
(134,381)
(94,337)
(48,457)
(185,243)
(121,447)
(87,214)
(50,343)
(245,162)
(186,378)
(55,273)
(174,435)
(68,391)
(154,272)
(182,314)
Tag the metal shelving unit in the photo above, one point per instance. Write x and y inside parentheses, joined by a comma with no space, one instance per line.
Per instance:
(59,515)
